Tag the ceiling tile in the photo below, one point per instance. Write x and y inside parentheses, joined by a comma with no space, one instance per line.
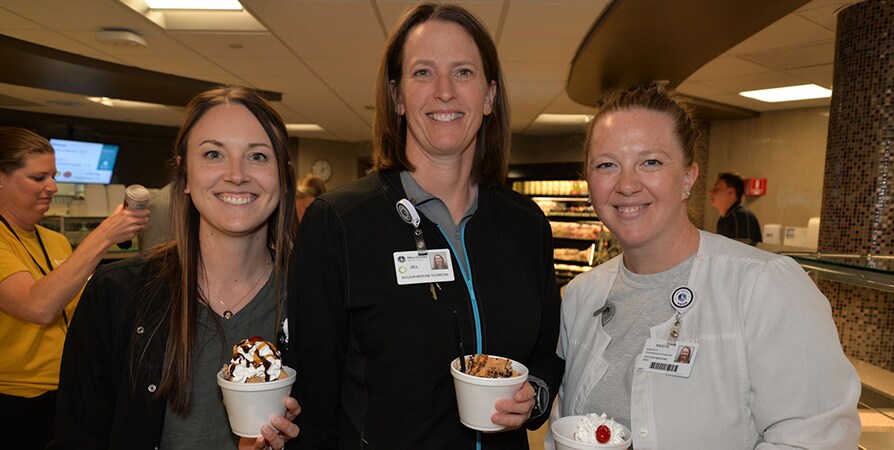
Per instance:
(734,85)
(694,89)
(542,50)
(726,66)
(825,16)
(789,58)
(789,31)
(234,45)
(553,19)
(821,75)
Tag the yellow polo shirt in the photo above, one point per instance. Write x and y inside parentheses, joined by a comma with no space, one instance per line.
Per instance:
(31,353)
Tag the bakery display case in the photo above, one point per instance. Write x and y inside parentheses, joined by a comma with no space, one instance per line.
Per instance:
(581,240)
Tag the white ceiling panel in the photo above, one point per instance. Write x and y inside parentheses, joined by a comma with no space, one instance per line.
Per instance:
(825,16)
(157,44)
(554,19)
(548,50)
(234,45)
(734,85)
(791,30)
(695,89)
(821,75)
(815,54)
(727,66)
(248,66)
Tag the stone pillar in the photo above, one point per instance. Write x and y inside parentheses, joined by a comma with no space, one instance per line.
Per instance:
(858,201)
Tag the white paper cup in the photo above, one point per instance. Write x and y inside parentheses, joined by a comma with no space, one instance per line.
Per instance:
(563,434)
(477,396)
(252,405)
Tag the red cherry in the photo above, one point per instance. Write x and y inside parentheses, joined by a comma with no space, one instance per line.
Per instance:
(603,434)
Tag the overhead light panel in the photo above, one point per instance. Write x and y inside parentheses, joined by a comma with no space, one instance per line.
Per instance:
(129,104)
(563,119)
(303,127)
(204,5)
(789,93)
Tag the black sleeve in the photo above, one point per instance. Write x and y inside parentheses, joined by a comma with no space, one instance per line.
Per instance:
(85,401)
(317,295)
(545,363)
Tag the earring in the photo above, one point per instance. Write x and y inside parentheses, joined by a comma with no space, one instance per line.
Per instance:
(687,193)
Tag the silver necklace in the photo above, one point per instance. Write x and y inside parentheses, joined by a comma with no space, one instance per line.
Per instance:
(228,313)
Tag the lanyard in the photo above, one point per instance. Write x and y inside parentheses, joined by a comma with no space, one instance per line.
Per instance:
(408,213)
(45,255)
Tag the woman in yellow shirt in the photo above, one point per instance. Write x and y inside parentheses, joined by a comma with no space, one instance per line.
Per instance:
(40,282)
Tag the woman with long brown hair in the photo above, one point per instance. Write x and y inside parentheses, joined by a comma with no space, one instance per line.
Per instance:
(143,352)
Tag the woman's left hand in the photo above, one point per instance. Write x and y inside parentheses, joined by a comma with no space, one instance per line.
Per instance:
(515,412)
(269,438)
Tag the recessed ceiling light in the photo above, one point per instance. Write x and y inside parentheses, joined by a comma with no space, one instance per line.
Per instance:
(118,103)
(789,93)
(303,127)
(207,5)
(563,119)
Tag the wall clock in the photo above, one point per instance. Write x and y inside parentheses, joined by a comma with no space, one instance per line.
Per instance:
(322,169)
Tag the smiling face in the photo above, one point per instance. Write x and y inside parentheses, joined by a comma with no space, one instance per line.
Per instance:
(27,192)
(443,92)
(638,178)
(231,172)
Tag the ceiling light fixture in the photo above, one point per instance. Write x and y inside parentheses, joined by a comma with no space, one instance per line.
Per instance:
(120,38)
(563,119)
(303,127)
(204,5)
(789,93)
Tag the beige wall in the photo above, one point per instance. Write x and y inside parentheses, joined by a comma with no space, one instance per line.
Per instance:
(341,155)
(788,148)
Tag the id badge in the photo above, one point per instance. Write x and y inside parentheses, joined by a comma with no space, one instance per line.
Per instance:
(433,267)
(661,357)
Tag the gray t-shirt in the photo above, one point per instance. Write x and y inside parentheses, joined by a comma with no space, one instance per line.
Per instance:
(641,302)
(203,427)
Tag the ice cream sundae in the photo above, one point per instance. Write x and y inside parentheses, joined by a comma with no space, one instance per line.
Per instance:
(490,367)
(254,361)
(597,429)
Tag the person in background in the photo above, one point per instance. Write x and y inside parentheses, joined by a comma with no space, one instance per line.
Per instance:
(158,231)
(374,349)
(309,187)
(766,369)
(153,331)
(40,283)
(736,221)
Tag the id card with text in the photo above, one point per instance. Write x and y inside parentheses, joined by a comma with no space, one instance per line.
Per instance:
(660,356)
(413,268)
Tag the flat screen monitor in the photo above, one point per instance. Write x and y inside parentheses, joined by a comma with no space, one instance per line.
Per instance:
(84,162)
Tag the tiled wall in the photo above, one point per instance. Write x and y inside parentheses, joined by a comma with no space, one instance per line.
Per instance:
(858,201)
(858,205)
(865,320)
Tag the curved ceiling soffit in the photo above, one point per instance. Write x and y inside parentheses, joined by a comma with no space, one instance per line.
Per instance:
(32,65)
(640,41)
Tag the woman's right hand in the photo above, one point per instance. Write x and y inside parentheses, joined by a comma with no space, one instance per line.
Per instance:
(123,224)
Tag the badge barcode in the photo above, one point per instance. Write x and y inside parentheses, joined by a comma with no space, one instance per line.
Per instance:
(664,366)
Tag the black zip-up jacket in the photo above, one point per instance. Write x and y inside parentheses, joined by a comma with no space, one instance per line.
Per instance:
(373,356)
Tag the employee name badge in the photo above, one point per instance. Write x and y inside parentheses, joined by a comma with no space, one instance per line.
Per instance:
(660,356)
(434,266)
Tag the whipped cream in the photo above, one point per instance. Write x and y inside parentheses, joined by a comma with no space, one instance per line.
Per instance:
(254,360)
(586,430)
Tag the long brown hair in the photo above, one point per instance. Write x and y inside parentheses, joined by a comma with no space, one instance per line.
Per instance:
(181,260)
(390,128)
